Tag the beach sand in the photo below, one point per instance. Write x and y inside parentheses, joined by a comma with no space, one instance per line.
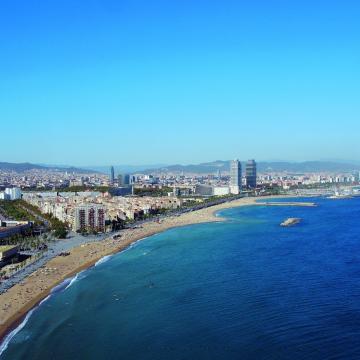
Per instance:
(19,299)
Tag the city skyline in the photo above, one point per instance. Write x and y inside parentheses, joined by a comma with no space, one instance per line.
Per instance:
(179,179)
(201,168)
(170,80)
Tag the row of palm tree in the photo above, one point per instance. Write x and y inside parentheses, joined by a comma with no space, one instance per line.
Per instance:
(28,242)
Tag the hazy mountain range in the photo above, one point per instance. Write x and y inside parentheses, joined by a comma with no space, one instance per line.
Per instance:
(203,168)
(125,169)
(278,166)
(21,167)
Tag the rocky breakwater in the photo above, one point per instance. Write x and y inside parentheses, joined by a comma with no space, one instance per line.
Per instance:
(290,222)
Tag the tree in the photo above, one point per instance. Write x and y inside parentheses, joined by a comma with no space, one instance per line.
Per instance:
(60,232)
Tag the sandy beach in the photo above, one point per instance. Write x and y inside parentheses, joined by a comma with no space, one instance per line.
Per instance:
(19,299)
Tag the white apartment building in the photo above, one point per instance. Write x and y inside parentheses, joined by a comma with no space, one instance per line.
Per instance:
(11,194)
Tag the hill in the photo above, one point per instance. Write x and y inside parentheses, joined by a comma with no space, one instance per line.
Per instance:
(280,166)
(21,167)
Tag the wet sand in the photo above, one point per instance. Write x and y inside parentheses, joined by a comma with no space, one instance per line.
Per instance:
(21,298)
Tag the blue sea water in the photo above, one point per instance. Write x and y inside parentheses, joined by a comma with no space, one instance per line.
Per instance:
(242,289)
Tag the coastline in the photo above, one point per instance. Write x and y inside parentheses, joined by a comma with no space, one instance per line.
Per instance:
(24,296)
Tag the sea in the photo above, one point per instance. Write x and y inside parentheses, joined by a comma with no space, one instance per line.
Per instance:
(245,288)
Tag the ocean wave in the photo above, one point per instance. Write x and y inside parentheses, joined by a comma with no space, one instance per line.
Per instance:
(62,286)
(5,343)
(103,259)
(43,300)
(8,337)
(133,245)
(80,275)
(71,282)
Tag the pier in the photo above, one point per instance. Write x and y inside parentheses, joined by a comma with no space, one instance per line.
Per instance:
(304,204)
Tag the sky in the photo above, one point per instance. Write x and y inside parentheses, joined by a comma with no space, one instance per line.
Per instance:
(99,82)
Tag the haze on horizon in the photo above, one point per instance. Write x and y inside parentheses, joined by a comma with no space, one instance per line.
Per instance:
(139,82)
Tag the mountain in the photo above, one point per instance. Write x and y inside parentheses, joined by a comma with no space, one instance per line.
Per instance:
(124,169)
(278,166)
(203,168)
(21,167)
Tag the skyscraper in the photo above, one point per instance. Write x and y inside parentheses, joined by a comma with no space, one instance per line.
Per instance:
(235,177)
(250,174)
(120,180)
(112,175)
(126,179)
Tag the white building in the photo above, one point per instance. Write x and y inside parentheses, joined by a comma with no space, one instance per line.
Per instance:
(221,190)
(11,194)
(4,196)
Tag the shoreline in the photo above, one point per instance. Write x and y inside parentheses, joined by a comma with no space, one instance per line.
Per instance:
(17,301)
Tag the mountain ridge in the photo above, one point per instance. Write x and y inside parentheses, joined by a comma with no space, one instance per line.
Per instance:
(262,166)
(202,168)
(26,166)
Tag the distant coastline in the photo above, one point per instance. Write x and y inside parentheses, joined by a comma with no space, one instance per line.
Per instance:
(24,296)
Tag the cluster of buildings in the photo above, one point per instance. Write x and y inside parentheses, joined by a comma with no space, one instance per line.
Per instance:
(91,211)
(219,185)
(287,181)
(242,178)
(122,180)
(49,179)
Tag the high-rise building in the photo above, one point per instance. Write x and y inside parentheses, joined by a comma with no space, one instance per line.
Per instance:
(356,176)
(250,174)
(235,177)
(126,179)
(89,217)
(120,180)
(112,175)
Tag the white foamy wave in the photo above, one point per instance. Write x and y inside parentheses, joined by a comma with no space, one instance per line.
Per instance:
(71,281)
(78,276)
(5,343)
(102,260)
(133,245)
(43,300)
(63,286)
(8,338)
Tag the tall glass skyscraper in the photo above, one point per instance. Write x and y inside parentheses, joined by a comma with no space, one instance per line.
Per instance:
(126,179)
(250,174)
(112,175)
(235,177)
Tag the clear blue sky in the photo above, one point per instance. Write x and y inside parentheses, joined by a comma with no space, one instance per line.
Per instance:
(98,82)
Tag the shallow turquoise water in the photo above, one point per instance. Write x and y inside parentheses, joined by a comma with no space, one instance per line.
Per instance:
(243,289)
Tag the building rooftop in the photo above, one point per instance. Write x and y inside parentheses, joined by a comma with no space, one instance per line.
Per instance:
(4,248)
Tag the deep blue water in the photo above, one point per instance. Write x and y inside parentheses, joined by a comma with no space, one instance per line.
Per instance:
(242,289)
